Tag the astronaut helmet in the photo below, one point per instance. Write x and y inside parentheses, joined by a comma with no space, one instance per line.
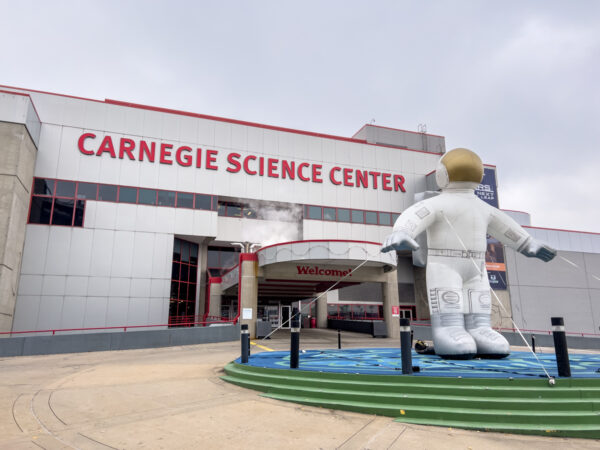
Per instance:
(459,168)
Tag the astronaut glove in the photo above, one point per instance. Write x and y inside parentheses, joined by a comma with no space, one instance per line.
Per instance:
(399,240)
(536,249)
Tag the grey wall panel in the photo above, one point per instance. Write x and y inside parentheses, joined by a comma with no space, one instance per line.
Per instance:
(91,342)
(556,273)
(539,304)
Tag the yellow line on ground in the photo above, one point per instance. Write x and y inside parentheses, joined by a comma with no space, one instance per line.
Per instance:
(262,347)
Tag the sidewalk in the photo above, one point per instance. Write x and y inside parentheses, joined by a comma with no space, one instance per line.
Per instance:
(173,398)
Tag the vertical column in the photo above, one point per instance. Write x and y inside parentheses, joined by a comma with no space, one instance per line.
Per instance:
(390,298)
(213,309)
(248,291)
(16,176)
(322,311)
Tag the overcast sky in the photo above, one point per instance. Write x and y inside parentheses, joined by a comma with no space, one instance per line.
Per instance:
(515,81)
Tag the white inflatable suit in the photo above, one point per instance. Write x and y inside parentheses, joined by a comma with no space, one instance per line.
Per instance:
(458,289)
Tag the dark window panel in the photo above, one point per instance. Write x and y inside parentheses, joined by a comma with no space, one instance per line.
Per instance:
(147,197)
(371,217)
(213,258)
(173,303)
(177,250)
(175,271)
(107,192)
(185,200)
(184,274)
(65,189)
(315,212)
(79,212)
(203,202)
(185,251)
(89,191)
(394,218)
(41,208)
(166,198)
(190,306)
(343,215)
(63,212)
(127,195)
(234,211)
(357,216)
(222,208)
(194,254)
(193,274)
(329,213)
(43,186)
(385,218)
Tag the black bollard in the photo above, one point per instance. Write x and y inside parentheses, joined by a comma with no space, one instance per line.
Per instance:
(405,347)
(245,343)
(533,342)
(560,347)
(295,339)
(339,339)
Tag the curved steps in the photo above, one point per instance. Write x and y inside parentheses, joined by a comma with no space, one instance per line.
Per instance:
(571,408)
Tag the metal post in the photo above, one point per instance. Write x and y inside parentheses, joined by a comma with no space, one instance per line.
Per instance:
(560,347)
(295,339)
(533,342)
(405,346)
(339,339)
(245,343)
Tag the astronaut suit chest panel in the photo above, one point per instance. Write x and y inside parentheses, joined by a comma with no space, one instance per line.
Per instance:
(469,217)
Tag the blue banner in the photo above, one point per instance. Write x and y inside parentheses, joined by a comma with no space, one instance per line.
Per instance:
(487,190)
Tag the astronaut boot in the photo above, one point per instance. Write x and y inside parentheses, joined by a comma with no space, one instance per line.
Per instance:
(490,343)
(450,339)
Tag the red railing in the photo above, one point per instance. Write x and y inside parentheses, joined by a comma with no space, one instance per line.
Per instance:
(514,330)
(123,327)
(346,311)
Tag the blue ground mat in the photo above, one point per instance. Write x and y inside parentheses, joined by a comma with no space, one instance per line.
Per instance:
(387,361)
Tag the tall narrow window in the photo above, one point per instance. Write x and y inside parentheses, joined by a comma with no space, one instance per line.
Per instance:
(184,278)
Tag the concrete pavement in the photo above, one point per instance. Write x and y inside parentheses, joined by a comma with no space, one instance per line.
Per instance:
(173,398)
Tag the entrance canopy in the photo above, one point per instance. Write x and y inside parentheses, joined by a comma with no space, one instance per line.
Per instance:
(301,269)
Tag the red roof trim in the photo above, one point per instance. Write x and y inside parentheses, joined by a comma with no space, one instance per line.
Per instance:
(221,119)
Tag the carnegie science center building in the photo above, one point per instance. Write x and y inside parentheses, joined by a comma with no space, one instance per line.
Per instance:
(121,217)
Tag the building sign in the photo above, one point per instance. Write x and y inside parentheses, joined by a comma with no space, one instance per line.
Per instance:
(321,271)
(487,190)
(395,311)
(163,153)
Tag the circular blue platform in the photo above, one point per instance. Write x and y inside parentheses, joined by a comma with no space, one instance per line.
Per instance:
(387,361)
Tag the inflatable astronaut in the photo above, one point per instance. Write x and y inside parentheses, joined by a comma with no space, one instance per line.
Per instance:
(458,289)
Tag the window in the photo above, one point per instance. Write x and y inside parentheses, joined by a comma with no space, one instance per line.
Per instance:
(329,213)
(107,192)
(127,195)
(385,218)
(53,202)
(371,217)
(184,276)
(88,191)
(185,200)
(314,212)
(147,197)
(394,218)
(221,259)
(357,216)
(166,198)
(203,202)
(343,215)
